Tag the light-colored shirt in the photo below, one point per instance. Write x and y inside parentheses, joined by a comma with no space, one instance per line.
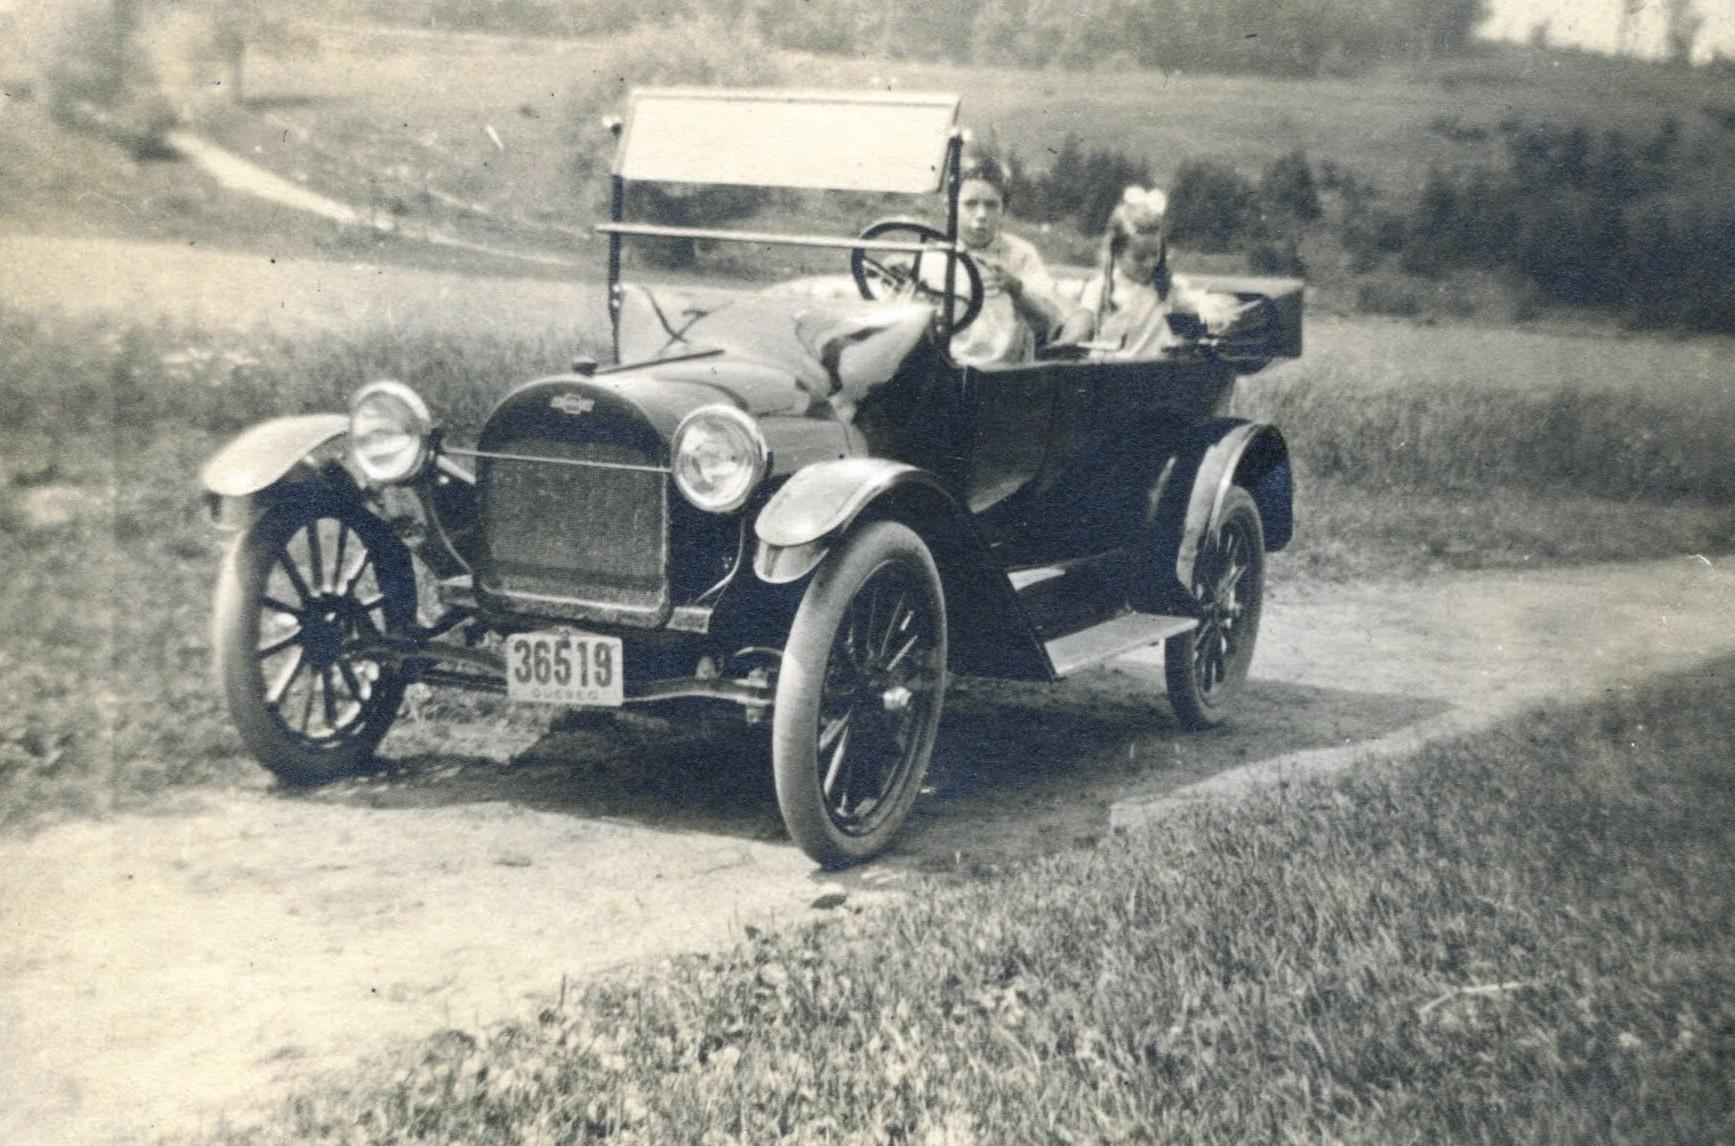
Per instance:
(1137,322)
(1000,335)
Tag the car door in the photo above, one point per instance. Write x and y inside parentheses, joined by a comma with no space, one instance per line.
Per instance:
(1063,455)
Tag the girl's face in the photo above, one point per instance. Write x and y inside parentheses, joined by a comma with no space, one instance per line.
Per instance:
(981,210)
(1142,256)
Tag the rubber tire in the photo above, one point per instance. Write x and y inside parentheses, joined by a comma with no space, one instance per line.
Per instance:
(1196,707)
(800,686)
(245,572)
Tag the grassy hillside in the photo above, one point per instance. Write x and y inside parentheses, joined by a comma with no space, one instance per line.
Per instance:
(485,135)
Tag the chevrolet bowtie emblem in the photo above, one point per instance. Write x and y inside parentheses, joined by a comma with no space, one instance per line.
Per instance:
(572,404)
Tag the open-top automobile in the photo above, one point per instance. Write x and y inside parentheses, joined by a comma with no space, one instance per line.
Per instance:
(781,500)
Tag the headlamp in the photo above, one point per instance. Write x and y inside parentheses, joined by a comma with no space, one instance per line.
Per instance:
(719,458)
(389,430)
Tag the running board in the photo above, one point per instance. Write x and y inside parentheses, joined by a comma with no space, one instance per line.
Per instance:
(1078,651)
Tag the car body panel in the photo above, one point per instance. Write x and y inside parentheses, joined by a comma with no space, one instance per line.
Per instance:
(262,455)
(776,353)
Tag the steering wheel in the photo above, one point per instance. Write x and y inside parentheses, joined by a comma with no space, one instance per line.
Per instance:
(899,274)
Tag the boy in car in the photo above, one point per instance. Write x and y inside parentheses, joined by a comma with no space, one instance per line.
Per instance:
(1020,305)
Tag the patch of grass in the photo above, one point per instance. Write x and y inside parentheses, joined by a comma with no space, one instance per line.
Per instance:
(1520,934)
(106,608)
(1467,409)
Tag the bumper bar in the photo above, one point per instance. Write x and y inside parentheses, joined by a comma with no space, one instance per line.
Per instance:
(485,671)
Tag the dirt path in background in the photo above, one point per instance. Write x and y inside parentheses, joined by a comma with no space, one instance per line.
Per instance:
(155,970)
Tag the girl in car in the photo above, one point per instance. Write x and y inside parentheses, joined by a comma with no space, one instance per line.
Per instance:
(1127,306)
(1020,305)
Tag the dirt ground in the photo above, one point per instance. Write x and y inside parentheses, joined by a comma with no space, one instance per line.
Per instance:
(156,971)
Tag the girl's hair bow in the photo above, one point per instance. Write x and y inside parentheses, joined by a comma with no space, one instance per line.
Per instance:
(1153,200)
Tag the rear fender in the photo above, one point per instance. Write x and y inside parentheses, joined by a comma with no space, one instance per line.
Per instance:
(1251,455)
(1220,455)
(816,509)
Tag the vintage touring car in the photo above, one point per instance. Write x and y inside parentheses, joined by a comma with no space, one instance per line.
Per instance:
(793,503)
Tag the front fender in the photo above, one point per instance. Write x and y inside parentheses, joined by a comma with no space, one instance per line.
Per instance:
(817,502)
(259,457)
(991,635)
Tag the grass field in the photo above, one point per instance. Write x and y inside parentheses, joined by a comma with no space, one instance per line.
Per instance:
(1515,936)
(432,98)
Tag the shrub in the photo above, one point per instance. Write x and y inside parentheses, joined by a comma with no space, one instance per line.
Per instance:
(1571,244)
(1212,206)
(702,53)
(1370,233)
(1277,258)
(1287,187)
(1080,185)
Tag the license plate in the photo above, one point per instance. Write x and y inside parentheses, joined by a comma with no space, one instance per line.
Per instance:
(560,667)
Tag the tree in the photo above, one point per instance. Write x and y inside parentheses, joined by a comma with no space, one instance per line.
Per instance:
(234,27)
(1680,30)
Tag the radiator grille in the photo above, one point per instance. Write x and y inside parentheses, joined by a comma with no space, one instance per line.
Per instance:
(575,534)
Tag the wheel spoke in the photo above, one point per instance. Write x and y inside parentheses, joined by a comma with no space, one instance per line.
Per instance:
(287,561)
(316,555)
(353,578)
(337,575)
(328,702)
(895,623)
(870,630)
(274,647)
(274,603)
(307,709)
(835,729)
(901,653)
(351,681)
(835,770)
(286,676)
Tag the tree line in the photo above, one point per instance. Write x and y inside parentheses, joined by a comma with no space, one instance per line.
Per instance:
(1292,37)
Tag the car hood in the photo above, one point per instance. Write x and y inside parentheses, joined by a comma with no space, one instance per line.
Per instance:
(773,353)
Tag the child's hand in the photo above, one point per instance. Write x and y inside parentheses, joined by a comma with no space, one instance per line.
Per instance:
(997,279)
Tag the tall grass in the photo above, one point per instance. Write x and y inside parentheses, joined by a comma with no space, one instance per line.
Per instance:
(78,376)
(1381,404)
(1520,935)
(105,607)
(1469,408)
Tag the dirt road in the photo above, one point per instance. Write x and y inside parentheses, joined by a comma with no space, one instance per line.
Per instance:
(155,970)
(226,290)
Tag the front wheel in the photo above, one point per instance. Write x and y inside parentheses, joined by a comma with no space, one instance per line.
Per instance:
(1206,667)
(859,695)
(300,587)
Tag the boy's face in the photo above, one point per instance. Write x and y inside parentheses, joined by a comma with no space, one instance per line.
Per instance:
(981,210)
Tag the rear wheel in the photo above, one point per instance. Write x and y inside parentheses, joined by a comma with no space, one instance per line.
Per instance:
(1206,667)
(859,695)
(299,587)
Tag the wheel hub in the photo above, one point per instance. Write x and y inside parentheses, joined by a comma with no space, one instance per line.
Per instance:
(323,631)
(897,698)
